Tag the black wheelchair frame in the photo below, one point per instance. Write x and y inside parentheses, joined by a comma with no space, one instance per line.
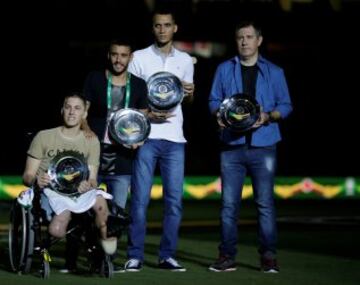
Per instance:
(26,240)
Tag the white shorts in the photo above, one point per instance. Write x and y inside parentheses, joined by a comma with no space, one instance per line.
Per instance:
(80,204)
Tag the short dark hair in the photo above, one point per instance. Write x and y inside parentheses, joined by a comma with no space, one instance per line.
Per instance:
(75,94)
(164,10)
(121,42)
(249,23)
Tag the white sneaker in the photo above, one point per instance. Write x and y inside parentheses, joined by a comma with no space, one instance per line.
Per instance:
(171,264)
(133,265)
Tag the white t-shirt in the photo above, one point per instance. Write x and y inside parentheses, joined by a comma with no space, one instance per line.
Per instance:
(149,61)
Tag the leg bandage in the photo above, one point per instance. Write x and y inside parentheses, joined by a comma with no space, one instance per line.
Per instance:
(109,245)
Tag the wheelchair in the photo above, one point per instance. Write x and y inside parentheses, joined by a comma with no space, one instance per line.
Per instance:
(29,240)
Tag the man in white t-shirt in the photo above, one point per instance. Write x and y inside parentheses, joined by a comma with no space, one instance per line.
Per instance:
(165,146)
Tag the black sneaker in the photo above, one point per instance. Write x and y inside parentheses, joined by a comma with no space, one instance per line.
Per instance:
(133,265)
(118,269)
(269,265)
(171,264)
(223,264)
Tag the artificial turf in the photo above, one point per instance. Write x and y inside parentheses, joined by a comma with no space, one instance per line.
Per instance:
(318,244)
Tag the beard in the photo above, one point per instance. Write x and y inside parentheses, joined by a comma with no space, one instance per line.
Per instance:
(110,67)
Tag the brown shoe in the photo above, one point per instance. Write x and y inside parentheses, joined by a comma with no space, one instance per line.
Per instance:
(269,265)
(223,264)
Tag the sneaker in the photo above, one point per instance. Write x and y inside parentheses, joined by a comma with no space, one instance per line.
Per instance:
(223,264)
(171,264)
(67,270)
(133,265)
(269,265)
(118,269)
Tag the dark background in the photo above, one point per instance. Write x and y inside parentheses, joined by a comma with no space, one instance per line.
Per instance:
(49,48)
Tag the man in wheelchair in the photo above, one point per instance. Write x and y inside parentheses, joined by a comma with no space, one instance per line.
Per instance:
(69,141)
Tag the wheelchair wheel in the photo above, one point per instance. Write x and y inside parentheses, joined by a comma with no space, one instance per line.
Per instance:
(45,264)
(21,238)
(107,267)
(45,269)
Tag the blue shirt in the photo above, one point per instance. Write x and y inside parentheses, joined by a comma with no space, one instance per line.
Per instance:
(271,92)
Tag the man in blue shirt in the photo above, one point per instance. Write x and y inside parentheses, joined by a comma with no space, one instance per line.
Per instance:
(253,151)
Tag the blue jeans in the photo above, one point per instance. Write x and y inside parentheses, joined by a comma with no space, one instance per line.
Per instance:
(118,186)
(171,158)
(260,162)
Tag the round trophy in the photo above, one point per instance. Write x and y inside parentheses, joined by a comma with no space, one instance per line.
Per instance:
(67,170)
(165,91)
(239,112)
(129,126)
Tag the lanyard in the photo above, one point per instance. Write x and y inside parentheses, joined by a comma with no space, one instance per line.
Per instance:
(127,91)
